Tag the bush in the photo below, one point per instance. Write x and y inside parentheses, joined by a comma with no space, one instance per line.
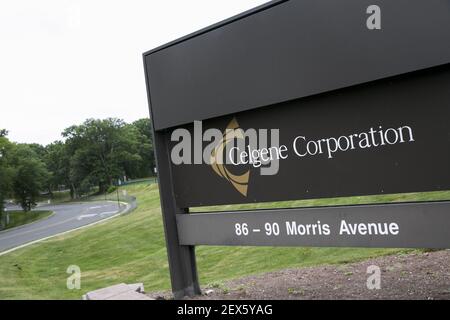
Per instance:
(111,189)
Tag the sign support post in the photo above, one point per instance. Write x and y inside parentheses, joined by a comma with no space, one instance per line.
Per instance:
(182,264)
(181,258)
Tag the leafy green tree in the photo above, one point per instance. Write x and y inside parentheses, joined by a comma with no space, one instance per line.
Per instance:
(38,149)
(40,152)
(5,170)
(101,151)
(29,178)
(94,153)
(57,160)
(145,147)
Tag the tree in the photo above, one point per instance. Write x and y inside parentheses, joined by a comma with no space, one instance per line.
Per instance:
(101,151)
(57,160)
(38,149)
(5,170)
(3,133)
(94,153)
(41,153)
(29,178)
(145,147)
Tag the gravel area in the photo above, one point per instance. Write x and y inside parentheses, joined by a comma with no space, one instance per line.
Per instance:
(414,275)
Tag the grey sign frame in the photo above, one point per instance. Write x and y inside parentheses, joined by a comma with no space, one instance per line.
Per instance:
(180,226)
(408,219)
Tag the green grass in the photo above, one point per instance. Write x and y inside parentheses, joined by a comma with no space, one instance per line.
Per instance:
(18,218)
(388,198)
(131,248)
(56,197)
(60,196)
(146,180)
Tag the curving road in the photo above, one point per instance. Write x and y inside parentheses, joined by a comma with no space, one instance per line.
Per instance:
(66,217)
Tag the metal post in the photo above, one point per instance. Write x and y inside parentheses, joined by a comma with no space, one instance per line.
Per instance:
(182,264)
(118,201)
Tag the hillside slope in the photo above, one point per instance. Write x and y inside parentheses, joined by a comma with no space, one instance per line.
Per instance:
(131,248)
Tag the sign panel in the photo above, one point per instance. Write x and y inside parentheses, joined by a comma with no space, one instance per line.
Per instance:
(292,49)
(300,100)
(391,136)
(412,225)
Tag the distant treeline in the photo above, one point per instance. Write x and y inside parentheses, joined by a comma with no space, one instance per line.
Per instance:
(96,153)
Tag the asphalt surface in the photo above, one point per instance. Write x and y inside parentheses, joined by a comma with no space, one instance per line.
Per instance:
(65,218)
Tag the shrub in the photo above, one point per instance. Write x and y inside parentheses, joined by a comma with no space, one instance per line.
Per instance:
(111,189)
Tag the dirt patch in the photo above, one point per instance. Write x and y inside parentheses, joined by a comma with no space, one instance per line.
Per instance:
(403,276)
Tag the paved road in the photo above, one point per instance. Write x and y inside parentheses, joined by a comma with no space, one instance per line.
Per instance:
(66,217)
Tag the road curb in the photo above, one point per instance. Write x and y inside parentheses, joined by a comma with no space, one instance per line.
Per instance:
(128,208)
(27,224)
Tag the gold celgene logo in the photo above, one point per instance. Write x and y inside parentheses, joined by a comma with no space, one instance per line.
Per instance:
(239,182)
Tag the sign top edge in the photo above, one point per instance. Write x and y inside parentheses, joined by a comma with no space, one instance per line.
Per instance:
(216,25)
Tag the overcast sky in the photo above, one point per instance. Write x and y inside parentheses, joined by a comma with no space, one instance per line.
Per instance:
(62,61)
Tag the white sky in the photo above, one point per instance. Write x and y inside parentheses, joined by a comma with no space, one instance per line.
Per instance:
(62,61)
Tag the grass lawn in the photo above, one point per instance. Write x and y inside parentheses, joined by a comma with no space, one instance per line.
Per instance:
(131,248)
(18,218)
(59,196)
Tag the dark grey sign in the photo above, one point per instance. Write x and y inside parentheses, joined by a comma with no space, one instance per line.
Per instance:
(390,226)
(391,136)
(292,49)
(360,111)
